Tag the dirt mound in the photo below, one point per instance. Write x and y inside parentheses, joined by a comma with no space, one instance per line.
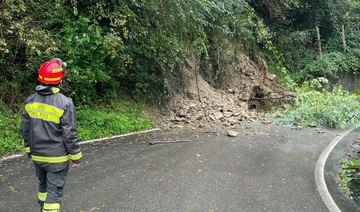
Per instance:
(248,89)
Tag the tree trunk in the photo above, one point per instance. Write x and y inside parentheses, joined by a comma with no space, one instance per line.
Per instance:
(319,42)
(343,37)
(196,75)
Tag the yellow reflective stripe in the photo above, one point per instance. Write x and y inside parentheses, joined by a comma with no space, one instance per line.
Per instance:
(27,149)
(50,159)
(44,107)
(77,156)
(44,111)
(44,116)
(49,79)
(42,196)
(52,79)
(50,210)
(57,70)
(52,206)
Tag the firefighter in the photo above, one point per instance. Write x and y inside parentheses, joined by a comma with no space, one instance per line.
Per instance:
(50,135)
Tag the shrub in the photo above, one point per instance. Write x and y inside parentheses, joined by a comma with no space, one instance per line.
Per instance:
(10,137)
(333,109)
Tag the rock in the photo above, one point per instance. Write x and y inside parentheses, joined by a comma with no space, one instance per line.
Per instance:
(181,113)
(198,116)
(297,128)
(266,121)
(286,106)
(312,125)
(227,105)
(212,117)
(232,133)
(245,116)
(218,115)
(227,114)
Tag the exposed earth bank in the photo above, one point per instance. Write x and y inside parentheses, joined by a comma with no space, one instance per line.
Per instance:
(247,90)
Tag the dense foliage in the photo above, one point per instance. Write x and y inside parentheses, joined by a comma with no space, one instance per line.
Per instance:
(293,24)
(133,46)
(141,48)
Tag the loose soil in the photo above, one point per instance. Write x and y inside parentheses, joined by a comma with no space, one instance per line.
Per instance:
(247,91)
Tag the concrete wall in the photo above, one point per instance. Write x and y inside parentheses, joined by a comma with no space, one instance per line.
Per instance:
(350,81)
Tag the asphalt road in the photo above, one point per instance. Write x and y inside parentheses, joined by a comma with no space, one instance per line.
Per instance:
(266,168)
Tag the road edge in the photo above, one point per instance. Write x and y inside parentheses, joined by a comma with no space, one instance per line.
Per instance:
(88,141)
(319,172)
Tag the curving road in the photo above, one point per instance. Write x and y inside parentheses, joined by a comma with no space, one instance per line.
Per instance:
(266,168)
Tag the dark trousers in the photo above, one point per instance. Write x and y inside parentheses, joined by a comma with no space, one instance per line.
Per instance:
(51,186)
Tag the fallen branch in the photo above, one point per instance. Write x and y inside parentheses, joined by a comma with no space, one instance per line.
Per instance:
(211,132)
(167,142)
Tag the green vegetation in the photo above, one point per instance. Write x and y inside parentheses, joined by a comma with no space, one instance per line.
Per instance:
(117,118)
(349,166)
(143,49)
(347,169)
(116,49)
(315,105)
(10,137)
(140,47)
(293,25)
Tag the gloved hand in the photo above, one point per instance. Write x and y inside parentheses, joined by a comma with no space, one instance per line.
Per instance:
(28,155)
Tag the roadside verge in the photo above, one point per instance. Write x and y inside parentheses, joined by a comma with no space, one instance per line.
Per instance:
(326,172)
(16,155)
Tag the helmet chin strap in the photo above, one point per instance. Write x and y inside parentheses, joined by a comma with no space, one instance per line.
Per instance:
(63,90)
(61,86)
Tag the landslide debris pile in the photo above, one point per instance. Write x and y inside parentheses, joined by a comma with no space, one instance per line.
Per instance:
(248,89)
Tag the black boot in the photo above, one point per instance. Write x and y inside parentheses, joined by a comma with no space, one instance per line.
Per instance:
(41,203)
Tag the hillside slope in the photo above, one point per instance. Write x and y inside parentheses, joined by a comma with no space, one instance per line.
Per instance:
(248,89)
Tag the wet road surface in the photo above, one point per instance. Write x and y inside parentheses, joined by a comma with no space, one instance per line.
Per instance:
(267,168)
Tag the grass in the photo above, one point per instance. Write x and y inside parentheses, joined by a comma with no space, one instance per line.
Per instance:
(101,121)
(10,137)
(114,119)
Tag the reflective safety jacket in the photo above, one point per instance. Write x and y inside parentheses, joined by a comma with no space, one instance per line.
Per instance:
(49,130)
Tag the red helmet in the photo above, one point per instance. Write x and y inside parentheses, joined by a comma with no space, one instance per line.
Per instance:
(52,72)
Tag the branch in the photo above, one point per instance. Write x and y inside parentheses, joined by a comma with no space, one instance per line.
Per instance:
(167,142)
